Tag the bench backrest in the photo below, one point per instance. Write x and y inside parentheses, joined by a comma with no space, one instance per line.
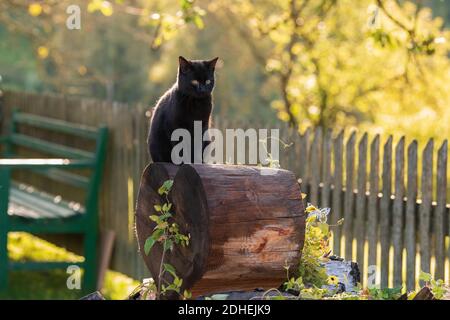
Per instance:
(98,136)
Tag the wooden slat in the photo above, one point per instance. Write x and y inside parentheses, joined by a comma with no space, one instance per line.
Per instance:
(439,227)
(425,206)
(372,220)
(410,220)
(326,170)
(55,198)
(336,208)
(79,130)
(49,147)
(65,177)
(385,216)
(348,201)
(360,220)
(397,214)
(315,167)
(42,207)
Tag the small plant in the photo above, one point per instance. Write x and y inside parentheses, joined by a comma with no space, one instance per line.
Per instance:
(167,233)
(271,162)
(437,287)
(309,293)
(383,294)
(316,248)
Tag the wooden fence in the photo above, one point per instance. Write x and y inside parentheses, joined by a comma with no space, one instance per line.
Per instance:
(393,196)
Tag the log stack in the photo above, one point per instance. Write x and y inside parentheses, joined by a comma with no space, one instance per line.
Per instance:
(245,223)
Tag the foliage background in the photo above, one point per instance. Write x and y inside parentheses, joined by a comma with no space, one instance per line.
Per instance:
(380,65)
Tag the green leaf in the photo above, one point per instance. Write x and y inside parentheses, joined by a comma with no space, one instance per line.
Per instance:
(167,185)
(176,282)
(165,216)
(157,234)
(149,243)
(154,218)
(168,245)
(157,208)
(187,294)
(324,228)
(425,276)
(169,268)
(162,225)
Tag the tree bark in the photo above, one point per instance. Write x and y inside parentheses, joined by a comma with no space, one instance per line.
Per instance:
(245,224)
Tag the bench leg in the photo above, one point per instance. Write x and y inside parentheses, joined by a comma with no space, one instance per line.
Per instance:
(3,260)
(4,199)
(90,265)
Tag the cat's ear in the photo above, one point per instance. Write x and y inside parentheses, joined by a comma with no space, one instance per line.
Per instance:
(212,63)
(184,63)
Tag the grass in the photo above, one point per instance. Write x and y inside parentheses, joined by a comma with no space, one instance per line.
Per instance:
(51,284)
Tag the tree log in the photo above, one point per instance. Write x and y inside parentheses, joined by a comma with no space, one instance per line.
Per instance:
(244,226)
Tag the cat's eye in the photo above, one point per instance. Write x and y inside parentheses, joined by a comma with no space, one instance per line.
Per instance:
(195,82)
(208,81)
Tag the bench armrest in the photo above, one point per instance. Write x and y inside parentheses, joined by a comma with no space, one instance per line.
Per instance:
(45,163)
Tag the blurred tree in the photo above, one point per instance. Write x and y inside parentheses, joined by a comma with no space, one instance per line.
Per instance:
(343,62)
(110,55)
(381,63)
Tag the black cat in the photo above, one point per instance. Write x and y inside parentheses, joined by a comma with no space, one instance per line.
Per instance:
(189,100)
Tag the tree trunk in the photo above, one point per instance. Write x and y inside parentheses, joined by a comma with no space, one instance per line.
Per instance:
(245,223)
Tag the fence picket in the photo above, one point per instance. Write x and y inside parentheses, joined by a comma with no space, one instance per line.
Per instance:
(360,221)
(410,221)
(348,200)
(372,220)
(397,211)
(439,215)
(315,167)
(326,168)
(336,208)
(385,216)
(425,207)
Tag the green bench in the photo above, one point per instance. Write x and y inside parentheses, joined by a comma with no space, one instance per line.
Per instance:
(24,207)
